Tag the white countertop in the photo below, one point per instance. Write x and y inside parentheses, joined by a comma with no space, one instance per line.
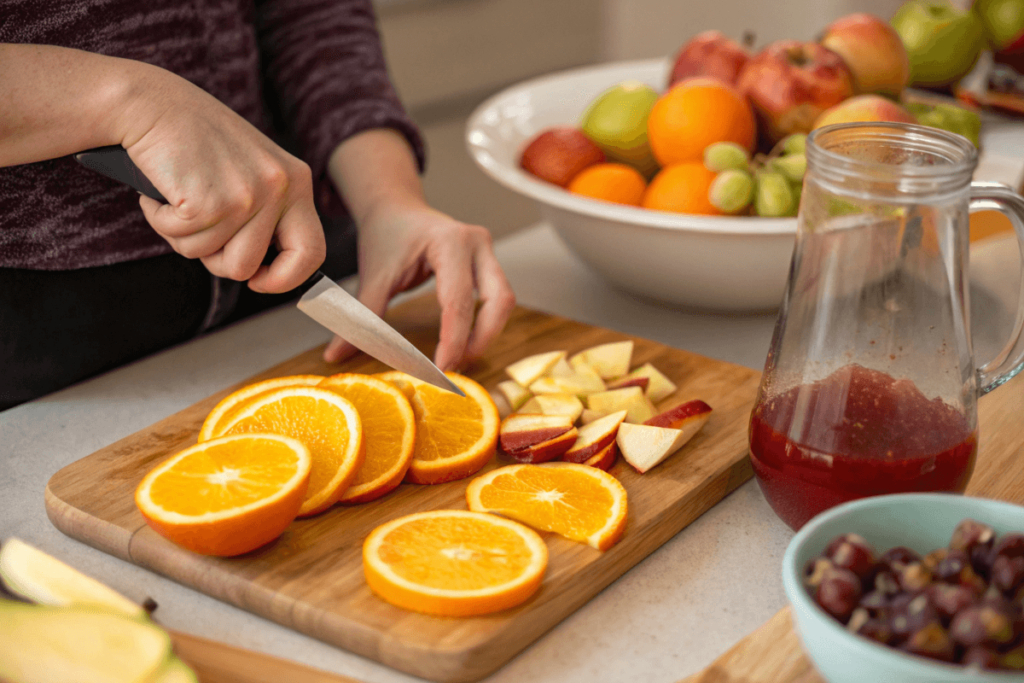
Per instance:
(668,617)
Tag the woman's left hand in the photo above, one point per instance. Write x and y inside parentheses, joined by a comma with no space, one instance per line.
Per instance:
(401,246)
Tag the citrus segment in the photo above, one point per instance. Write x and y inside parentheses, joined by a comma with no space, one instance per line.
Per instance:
(326,423)
(454,563)
(220,416)
(229,495)
(579,502)
(389,434)
(455,435)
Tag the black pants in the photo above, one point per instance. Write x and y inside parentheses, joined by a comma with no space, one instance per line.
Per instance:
(61,327)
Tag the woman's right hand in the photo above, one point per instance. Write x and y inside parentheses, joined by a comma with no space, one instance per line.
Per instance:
(230,190)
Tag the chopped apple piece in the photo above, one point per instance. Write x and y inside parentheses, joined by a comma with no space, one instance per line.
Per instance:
(638,407)
(546,450)
(628,381)
(660,385)
(594,437)
(644,446)
(522,430)
(561,369)
(609,360)
(588,416)
(579,384)
(515,393)
(688,417)
(527,370)
(605,458)
(554,404)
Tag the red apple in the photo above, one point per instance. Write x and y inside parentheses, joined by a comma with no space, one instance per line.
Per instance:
(873,52)
(677,416)
(629,381)
(594,437)
(558,154)
(865,108)
(519,431)
(546,450)
(790,84)
(710,54)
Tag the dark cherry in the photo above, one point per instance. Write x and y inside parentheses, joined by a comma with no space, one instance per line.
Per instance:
(948,600)
(899,555)
(855,555)
(909,616)
(932,641)
(876,629)
(970,533)
(855,539)
(956,569)
(981,657)
(814,571)
(981,560)
(1011,545)
(1007,573)
(886,583)
(875,602)
(981,625)
(838,593)
(932,559)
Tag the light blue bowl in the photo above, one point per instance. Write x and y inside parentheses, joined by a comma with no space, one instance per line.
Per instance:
(922,521)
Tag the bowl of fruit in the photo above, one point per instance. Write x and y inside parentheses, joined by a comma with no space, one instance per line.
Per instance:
(912,587)
(679,179)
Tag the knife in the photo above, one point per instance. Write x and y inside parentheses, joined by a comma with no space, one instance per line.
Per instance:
(323,301)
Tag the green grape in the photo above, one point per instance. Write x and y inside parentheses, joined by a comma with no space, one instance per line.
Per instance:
(722,156)
(793,166)
(774,196)
(731,191)
(795,144)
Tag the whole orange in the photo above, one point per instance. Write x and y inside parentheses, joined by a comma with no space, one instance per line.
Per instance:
(695,113)
(617,183)
(682,188)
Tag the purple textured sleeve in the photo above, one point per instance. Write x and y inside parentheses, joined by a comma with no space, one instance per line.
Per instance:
(326,78)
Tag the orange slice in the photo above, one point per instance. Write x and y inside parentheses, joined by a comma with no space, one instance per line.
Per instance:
(455,436)
(219,417)
(579,502)
(325,422)
(229,495)
(454,563)
(389,433)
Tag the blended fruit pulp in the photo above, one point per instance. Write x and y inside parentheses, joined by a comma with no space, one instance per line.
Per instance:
(857,433)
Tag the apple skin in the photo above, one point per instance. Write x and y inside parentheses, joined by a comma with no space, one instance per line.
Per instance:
(711,54)
(557,155)
(675,417)
(865,108)
(872,50)
(790,83)
(519,431)
(545,450)
(605,458)
(942,42)
(1002,21)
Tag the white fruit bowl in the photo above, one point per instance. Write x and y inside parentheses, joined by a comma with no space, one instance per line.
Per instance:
(734,263)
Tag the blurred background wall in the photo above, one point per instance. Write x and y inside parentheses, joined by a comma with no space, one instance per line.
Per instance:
(447,56)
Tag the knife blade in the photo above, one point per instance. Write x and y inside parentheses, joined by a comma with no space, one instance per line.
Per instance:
(323,300)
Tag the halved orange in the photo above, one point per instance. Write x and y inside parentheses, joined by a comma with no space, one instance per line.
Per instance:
(219,417)
(455,436)
(454,563)
(579,502)
(229,495)
(325,422)
(389,433)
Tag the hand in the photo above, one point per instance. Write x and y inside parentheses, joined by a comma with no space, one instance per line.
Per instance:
(400,246)
(230,189)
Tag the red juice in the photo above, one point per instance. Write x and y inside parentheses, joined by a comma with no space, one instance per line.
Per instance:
(856,433)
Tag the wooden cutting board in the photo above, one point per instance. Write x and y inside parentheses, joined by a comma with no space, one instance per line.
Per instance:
(311,578)
(772,653)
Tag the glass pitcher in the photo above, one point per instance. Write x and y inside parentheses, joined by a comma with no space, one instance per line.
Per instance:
(870,385)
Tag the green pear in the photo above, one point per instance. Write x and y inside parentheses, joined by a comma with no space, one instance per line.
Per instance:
(617,122)
(942,42)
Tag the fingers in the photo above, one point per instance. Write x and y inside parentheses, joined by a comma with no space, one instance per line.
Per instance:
(454,272)
(299,237)
(497,302)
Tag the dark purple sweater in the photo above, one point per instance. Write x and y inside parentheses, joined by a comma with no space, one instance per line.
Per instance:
(308,73)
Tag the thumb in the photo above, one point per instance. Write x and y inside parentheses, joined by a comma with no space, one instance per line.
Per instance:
(375,296)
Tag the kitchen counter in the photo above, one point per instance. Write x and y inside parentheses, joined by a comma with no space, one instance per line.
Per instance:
(668,617)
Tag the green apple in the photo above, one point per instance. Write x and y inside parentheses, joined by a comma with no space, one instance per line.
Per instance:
(1003,21)
(942,42)
(617,122)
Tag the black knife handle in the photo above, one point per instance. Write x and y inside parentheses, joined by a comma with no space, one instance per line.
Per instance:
(114,162)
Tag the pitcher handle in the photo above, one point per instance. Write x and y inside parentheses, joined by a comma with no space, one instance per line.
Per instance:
(987,196)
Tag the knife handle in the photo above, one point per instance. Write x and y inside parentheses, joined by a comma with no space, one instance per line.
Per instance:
(114,162)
